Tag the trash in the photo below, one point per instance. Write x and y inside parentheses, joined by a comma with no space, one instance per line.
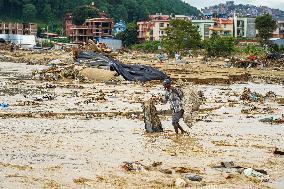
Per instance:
(249,172)
(4,106)
(180,183)
(133,166)
(229,166)
(151,118)
(273,120)
(56,61)
(251,96)
(191,101)
(194,178)
(277,151)
(166,171)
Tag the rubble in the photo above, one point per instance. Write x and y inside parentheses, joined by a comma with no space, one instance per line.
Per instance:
(251,96)
(56,73)
(249,172)
(133,166)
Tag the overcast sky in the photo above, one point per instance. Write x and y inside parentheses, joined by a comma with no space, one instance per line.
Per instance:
(270,3)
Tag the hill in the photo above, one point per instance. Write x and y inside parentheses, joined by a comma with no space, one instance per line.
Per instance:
(50,11)
(229,8)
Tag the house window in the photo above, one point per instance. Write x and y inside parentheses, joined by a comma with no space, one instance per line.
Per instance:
(225,25)
(161,25)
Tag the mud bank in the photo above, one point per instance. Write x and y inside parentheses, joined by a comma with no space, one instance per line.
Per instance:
(78,135)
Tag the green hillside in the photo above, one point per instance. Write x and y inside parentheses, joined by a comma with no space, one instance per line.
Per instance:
(52,11)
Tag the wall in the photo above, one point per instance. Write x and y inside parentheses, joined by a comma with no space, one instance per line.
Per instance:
(26,41)
(113,44)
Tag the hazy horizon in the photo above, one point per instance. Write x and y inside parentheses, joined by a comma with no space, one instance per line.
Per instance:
(277,4)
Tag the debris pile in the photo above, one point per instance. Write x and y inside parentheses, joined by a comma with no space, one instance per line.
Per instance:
(56,73)
(251,96)
(273,120)
(192,100)
(151,118)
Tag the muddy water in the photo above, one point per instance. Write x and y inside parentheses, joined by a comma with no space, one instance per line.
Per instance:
(79,152)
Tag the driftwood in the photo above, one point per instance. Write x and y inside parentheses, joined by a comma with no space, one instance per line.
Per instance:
(151,118)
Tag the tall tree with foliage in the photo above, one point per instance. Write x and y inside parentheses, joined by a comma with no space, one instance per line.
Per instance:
(83,12)
(29,12)
(128,10)
(265,26)
(218,46)
(129,36)
(181,35)
(47,12)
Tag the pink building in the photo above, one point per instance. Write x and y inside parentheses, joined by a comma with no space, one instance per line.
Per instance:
(91,29)
(154,29)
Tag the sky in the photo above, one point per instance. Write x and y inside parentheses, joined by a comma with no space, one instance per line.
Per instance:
(270,3)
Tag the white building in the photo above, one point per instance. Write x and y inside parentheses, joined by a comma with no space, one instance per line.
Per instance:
(244,27)
(204,27)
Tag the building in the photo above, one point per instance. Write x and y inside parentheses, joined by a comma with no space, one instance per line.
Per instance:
(18,28)
(154,29)
(223,27)
(93,29)
(145,30)
(244,27)
(203,27)
(68,24)
(119,27)
(279,32)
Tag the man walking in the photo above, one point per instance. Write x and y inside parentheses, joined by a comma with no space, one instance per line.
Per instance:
(174,96)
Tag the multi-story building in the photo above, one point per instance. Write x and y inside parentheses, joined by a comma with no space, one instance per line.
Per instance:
(18,28)
(223,27)
(203,27)
(93,28)
(144,30)
(244,27)
(154,29)
(68,24)
(279,32)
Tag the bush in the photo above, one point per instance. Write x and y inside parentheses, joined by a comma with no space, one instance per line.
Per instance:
(47,43)
(277,48)
(252,50)
(220,46)
(148,46)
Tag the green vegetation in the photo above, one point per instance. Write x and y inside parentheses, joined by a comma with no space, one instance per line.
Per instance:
(47,43)
(81,13)
(49,11)
(181,36)
(220,46)
(265,26)
(148,46)
(277,48)
(253,50)
(129,37)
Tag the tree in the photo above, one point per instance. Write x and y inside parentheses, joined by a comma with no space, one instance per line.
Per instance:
(220,46)
(129,37)
(181,35)
(265,26)
(47,13)
(29,12)
(81,13)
